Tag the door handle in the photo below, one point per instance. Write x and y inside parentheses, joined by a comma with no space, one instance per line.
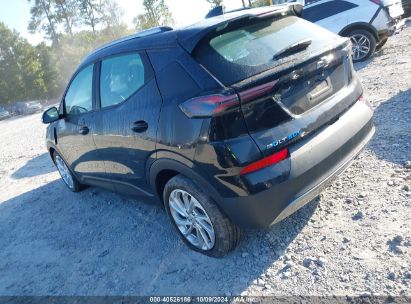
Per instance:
(84,130)
(139,126)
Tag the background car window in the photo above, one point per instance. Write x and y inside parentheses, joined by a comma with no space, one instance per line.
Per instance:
(120,78)
(79,97)
(325,10)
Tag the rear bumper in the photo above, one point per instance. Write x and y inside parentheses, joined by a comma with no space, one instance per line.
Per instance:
(313,164)
(314,192)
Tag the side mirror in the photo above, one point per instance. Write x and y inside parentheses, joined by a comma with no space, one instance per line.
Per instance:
(50,115)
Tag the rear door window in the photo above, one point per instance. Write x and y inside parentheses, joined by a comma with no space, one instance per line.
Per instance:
(121,77)
(242,51)
(324,10)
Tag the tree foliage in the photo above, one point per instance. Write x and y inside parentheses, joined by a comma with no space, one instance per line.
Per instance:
(66,13)
(21,73)
(91,13)
(44,19)
(156,13)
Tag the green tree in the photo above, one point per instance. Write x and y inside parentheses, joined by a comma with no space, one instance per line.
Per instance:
(21,74)
(112,18)
(44,19)
(67,13)
(52,75)
(156,13)
(91,13)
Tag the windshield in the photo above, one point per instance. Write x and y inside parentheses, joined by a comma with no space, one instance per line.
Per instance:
(249,49)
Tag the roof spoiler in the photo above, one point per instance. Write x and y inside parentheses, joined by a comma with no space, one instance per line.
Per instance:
(190,37)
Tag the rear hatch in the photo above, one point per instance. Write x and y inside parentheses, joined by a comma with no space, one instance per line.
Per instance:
(283,69)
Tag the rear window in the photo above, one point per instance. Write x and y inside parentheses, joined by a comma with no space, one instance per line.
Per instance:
(241,51)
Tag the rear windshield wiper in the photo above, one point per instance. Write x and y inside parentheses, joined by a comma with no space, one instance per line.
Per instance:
(293,48)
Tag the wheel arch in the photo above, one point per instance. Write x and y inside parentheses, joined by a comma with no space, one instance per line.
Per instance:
(51,149)
(359,26)
(162,170)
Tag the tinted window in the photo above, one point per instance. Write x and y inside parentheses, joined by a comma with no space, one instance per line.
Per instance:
(256,44)
(325,10)
(79,97)
(244,50)
(120,78)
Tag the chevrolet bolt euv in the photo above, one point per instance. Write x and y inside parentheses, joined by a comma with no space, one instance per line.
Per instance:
(232,123)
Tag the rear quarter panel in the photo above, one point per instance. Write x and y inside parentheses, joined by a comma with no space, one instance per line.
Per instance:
(364,12)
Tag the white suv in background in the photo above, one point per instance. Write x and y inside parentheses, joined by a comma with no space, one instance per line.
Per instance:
(368,23)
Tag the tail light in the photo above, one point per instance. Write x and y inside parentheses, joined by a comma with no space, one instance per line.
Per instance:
(265,162)
(365,101)
(210,105)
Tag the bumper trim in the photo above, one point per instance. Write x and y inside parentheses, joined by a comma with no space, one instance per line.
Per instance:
(314,192)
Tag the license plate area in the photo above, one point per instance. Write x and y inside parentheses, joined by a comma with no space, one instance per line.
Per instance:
(319,89)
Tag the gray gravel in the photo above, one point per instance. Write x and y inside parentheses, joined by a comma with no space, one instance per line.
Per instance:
(355,239)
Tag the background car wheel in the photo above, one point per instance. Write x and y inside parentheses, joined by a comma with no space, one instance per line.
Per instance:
(69,179)
(381,44)
(363,44)
(198,220)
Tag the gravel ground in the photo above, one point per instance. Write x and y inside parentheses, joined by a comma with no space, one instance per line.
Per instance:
(354,239)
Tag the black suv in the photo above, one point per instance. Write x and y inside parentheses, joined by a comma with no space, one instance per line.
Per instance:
(234,122)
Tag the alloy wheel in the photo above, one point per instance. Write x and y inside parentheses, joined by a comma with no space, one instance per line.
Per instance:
(361,46)
(64,172)
(191,219)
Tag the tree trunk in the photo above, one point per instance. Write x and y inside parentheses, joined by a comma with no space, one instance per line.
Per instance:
(68,24)
(54,37)
(91,17)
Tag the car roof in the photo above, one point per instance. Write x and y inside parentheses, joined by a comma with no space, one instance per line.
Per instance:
(165,37)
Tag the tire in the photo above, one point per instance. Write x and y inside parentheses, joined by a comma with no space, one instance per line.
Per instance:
(66,175)
(204,213)
(362,40)
(381,44)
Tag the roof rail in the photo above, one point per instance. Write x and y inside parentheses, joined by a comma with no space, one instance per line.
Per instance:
(144,33)
(152,31)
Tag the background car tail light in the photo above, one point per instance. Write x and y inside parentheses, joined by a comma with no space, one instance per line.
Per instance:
(266,162)
(210,105)
(379,2)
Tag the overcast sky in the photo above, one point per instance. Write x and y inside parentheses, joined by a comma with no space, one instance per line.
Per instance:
(16,13)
